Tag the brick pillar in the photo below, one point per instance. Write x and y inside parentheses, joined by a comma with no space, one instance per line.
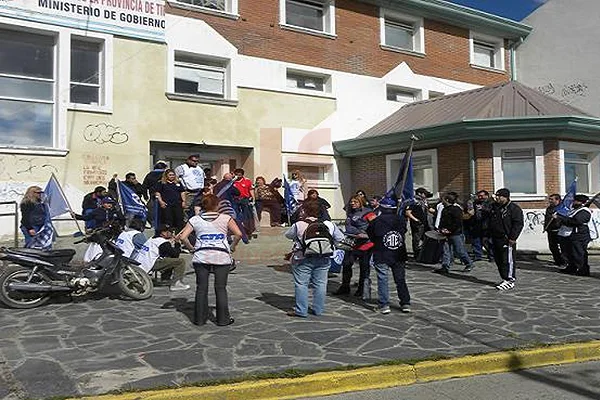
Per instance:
(484,166)
(552,166)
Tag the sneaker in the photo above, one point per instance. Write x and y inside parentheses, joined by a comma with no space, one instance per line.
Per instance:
(384,310)
(506,285)
(405,308)
(178,286)
(442,270)
(468,268)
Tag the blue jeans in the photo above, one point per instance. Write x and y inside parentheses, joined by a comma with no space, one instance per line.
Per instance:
(383,293)
(479,243)
(399,272)
(455,244)
(310,271)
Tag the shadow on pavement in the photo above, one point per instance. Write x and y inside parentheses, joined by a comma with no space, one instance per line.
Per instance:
(284,303)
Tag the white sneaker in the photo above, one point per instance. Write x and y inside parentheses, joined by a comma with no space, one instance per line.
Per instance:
(178,286)
(384,310)
(506,285)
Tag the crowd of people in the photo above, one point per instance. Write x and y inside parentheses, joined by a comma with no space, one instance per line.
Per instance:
(196,213)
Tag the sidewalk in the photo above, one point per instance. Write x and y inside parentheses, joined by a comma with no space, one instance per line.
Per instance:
(95,345)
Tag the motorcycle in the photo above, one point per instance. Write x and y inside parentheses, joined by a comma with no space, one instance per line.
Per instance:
(31,276)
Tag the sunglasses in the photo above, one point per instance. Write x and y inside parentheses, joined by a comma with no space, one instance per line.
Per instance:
(39,192)
(194,160)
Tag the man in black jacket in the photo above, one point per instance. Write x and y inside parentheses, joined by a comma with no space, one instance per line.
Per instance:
(551,226)
(576,232)
(386,232)
(451,226)
(506,224)
(417,214)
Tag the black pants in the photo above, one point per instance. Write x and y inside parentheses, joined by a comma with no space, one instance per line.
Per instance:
(556,246)
(172,215)
(418,238)
(201,309)
(350,257)
(399,273)
(577,255)
(504,256)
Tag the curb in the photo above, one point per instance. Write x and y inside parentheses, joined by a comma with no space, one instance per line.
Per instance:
(379,377)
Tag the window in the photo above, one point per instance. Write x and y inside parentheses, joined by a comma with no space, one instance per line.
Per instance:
(435,95)
(199,77)
(519,166)
(86,72)
(307,81)
(227,6)
(424,169)
(487,51)
(400,31)
(310,172)
(577,165)
(27,80)
(402,95)
(315,15)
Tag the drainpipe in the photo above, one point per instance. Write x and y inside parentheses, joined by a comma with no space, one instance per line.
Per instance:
(512,46)
(472,167)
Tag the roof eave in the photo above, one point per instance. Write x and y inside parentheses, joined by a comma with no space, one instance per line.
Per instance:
(560,127)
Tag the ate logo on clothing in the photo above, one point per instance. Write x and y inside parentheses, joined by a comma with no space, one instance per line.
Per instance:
(392,240)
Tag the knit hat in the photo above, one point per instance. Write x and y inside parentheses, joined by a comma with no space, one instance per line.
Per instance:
(424,191)
(388,202)
(582,198)
(503,192)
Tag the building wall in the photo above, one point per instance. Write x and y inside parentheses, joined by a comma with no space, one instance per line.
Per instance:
(556,60)
(356,49)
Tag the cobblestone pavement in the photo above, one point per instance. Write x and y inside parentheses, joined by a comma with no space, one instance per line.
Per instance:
(101,343)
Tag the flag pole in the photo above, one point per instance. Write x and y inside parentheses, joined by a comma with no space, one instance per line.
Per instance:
(407,157)
(119,196)
(68,204)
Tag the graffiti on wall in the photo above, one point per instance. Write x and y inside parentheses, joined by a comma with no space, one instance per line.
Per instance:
(105,133)
(19,168)
(567,92)
(94,170)
(534,223)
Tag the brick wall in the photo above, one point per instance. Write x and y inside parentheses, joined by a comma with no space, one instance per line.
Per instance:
(368,174)
(484,166)
(551,166)
(453,169)
(356,49)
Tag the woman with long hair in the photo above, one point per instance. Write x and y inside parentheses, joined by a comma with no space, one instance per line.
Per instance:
(170,194)
(212,254)
(268,198)
(33,218)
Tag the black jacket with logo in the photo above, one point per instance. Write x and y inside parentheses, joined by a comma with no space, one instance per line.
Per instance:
(387,234)
(452,219)
(506,221)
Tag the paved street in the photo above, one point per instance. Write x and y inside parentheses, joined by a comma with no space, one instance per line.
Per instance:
(579,381)
(98,344)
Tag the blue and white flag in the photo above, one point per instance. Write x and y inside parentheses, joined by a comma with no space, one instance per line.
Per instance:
(566,204)
(55,199)
(289,200)
(403,189)
(131,202)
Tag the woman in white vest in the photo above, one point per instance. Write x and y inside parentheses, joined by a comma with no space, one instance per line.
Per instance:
(212,253)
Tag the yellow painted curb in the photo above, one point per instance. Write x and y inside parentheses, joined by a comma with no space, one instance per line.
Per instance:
(379,377)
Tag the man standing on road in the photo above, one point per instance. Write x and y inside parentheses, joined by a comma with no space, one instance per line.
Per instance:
(192,177)
(506,224)
(417,214)
(551,227)
(576,234)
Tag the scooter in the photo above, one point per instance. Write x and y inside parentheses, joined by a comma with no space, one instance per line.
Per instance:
(31,276)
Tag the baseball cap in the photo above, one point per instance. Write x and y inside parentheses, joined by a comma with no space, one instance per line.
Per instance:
(424,191)
(503,192)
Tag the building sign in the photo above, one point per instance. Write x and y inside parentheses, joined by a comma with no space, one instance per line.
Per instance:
(143,19)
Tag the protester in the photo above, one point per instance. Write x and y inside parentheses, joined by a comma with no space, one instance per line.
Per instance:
(480,226)
(356,227)
(324,205)
(212,254)
(132,239)
(576,232)
(107,215)
(131,182)
(91,201)
(374,202)
(170,194)
(191,177)
(310,268)
(245,200)
(298,186)
(417,214)
(451,227)
(150,181)
(387,231)
(551,226)
(33,218)
(268,198)
(506,224)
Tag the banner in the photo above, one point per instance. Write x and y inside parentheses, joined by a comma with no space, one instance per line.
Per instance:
(131,202)
(55,198)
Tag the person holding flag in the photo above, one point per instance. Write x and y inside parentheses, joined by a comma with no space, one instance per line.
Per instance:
(34,217)
(576,233)
(289,200)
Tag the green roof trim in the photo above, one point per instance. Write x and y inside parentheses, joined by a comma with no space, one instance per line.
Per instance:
(499,129)
(461,16)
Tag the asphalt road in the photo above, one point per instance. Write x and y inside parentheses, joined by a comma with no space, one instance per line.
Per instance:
(572,382)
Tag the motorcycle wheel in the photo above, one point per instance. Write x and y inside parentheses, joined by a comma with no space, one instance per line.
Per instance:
(21,299)
(135,283)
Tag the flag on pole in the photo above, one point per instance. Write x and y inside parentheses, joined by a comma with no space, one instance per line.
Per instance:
(403,188)
(565,205)
(289,200)
(55,199)
(131,202)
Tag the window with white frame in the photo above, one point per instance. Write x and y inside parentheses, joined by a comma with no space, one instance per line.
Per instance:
(425,172)
(27,87)
(200,77)
(487,51)
(311,172)
(519,166)
(227,6)
(315,15)
(402,95)
(307,81)
(401,31)
(581,161)
(86,72)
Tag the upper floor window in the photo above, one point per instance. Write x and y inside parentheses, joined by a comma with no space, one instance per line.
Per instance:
(400,31)
(402,95)
(195,76)
(487,51)
(27,89)
(314,15)
(86,72)
(307,81)
(226,6)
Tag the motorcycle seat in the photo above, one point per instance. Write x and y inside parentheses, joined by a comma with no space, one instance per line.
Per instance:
(56,257)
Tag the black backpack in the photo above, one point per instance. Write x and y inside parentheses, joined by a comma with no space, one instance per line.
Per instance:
(317,241)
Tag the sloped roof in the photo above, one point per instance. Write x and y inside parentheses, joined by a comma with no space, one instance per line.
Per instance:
(506,100)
